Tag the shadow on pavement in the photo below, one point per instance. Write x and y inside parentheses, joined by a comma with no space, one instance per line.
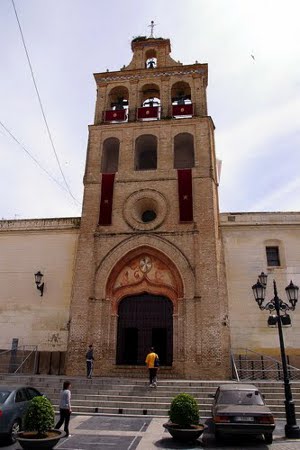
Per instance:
(207,440)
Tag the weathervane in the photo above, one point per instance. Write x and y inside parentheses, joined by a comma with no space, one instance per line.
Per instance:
(152,25)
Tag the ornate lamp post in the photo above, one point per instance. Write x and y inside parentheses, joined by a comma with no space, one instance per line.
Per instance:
(259,290)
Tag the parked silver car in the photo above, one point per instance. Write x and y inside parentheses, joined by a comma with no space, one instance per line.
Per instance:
(239,409)
(14,401)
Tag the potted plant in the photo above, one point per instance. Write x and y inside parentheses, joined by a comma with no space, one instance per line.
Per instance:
(39,430)
(184,418)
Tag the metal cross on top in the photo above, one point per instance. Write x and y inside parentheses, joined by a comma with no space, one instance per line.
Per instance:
(152,25)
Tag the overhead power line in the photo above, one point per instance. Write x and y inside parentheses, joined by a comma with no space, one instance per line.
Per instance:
(41,105)
(34,159)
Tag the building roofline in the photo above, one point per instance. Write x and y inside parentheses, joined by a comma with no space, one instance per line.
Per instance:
(58,223)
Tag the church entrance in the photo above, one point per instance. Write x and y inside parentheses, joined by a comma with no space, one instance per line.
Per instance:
(144,321)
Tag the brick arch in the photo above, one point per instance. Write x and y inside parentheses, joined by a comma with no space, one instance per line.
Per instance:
(159,243)
(141,270)
(106,265)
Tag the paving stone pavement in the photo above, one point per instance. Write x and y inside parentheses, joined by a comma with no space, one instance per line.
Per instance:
(139,433)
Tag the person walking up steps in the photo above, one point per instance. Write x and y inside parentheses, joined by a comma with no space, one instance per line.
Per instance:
(65,409)
(152,361)
(89,361)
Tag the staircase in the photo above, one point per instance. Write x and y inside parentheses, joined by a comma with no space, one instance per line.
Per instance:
(134,397)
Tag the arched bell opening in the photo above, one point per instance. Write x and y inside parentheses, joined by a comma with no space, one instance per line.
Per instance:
(150,95)
(110,155)
(184,155)
(118,98)
(117,105)
(181,93)
(151,59)
(150,103)
(144,321)
(181,100)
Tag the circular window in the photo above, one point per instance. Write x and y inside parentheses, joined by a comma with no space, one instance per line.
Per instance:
(148,216)
(145,209)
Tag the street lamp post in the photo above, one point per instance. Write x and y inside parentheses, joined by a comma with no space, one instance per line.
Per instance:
(276,304)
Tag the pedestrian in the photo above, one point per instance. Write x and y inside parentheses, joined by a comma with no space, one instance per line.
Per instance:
(65,407)
(152,361)
(89,361)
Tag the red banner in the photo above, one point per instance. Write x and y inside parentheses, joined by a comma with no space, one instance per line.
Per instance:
(147,112)
(185,195)
(116,114)
(182,110)
(107,190)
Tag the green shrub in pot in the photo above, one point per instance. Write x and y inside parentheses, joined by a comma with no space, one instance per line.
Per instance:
(184,415)
(40,416)
(39,432)
(184,411)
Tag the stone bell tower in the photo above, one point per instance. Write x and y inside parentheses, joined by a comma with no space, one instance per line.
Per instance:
(150,268)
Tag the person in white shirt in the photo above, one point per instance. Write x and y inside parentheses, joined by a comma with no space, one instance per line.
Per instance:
(65,407)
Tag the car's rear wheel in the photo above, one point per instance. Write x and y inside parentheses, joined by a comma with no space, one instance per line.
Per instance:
(268,438)
(218,436)
(15,428)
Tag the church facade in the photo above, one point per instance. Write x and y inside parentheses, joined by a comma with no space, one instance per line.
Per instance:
(151,262)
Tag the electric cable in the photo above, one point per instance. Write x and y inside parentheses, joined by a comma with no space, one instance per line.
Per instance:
(41,105)
(35,160)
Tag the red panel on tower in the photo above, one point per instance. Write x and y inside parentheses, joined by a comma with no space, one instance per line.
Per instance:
(146,112)
(107,190)
(185,194)
(182,110)
(116,114)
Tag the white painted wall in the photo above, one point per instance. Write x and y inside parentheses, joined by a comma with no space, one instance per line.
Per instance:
(245,240)
(26,247)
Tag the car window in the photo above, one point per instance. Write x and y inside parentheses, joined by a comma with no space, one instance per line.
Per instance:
(240,398)
(20,396)
(3,396)
(31,393)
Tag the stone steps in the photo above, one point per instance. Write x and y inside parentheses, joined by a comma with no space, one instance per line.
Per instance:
(134,397)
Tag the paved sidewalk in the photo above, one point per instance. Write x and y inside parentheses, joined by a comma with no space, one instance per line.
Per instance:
(146,433)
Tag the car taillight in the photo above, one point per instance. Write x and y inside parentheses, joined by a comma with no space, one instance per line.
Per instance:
(265,419)
(221,419)
(1,412)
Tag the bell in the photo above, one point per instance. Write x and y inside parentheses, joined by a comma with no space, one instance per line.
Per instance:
(151,64)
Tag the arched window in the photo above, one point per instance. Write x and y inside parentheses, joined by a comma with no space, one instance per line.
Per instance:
(184,157)
(146,152)
(110,155)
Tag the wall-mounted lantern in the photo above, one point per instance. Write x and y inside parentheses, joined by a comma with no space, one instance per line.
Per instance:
(38,281)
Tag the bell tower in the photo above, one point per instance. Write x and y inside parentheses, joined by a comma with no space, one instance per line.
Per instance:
(149,268)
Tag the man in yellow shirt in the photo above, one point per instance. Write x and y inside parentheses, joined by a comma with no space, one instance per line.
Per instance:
(152,362)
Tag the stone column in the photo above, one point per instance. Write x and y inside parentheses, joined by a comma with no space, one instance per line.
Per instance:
(133,100)
(166,152)
(165,97)
(100,103)
(126,154)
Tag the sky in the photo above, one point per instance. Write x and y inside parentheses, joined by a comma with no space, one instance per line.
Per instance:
(252,48)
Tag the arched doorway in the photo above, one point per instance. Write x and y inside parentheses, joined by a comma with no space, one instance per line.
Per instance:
(145,320)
